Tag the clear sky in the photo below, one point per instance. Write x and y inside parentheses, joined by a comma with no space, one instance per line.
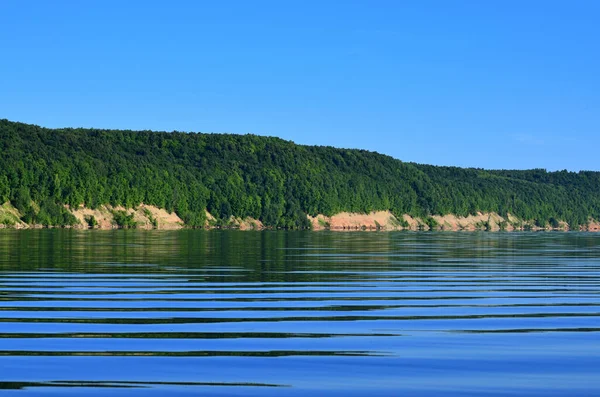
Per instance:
(492,84)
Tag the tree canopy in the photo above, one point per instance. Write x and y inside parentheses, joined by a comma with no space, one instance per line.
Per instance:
(270,179)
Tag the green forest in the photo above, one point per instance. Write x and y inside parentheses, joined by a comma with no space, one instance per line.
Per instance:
(266,178)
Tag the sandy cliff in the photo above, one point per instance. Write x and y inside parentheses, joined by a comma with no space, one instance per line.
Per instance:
(379,220)
(150,217)
(144,216)
(385,220)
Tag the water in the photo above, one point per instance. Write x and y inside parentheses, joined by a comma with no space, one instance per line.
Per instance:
(289,313)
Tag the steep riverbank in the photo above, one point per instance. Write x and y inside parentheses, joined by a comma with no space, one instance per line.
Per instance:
(241,179)
(150,217)
(385,220)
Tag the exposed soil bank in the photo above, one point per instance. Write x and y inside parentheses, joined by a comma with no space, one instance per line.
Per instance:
(380,220)
(10,217)
(103,217)
(150,217)
(144,217)
(385,220)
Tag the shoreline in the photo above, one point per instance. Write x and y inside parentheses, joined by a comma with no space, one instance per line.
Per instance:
(270,229)
(146,217)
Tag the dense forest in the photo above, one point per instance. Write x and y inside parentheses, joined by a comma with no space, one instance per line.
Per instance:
(275,181)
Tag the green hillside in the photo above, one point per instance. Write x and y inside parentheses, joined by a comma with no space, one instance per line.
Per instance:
(265,178)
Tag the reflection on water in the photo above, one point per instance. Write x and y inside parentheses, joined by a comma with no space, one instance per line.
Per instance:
(249,313)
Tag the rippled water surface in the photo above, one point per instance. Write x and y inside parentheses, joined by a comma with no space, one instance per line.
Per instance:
(289,313)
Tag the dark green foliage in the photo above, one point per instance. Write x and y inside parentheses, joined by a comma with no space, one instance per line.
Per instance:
(51,214)
(265,178)
(91,221)
(431,222)
(22,200)
(4,189)
(124,220)
(485,225)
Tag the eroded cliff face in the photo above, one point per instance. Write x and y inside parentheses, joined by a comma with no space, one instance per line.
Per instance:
(10,217)
(103,217)
(385,220)
(379,220)
(144,217)
(246,223)
(151,217)
(593,226)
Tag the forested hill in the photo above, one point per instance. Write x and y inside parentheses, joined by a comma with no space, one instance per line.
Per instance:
(265,178)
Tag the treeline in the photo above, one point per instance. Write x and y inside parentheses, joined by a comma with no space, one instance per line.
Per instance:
(275,181)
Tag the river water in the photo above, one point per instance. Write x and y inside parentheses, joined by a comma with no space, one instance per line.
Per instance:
(131,313)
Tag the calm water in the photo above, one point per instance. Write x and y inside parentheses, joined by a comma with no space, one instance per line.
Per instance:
(289,313)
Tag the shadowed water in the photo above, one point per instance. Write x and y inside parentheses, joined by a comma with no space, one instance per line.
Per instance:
(289,313)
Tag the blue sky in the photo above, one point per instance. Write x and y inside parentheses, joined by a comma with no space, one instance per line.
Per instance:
(492,84)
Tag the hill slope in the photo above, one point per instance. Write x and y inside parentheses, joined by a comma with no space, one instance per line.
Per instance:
(275,181)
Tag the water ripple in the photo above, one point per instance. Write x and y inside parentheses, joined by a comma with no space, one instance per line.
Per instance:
(323,313)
